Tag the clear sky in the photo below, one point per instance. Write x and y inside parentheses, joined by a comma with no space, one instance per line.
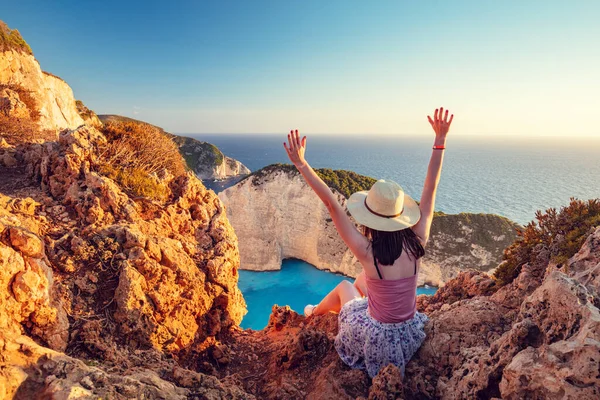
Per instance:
(503,67)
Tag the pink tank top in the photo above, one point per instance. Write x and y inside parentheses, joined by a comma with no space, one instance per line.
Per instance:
(392,300)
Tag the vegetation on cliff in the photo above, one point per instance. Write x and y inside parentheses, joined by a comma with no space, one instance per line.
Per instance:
(198,155)
(134,155)
(19,116)
(83,110)
(345,182)
(11,39)
(196,152)
(560,232)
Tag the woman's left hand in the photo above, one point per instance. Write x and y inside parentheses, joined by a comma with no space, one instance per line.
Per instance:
(295,148)
(440,123)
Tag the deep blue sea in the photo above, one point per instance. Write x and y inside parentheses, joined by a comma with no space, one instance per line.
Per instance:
(509,176)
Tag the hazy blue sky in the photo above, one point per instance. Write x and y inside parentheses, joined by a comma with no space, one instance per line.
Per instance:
(503,67)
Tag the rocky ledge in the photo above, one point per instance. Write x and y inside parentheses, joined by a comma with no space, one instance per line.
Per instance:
(276,216)
(538,338)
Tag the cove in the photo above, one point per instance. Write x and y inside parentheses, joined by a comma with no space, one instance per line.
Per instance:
(296,284)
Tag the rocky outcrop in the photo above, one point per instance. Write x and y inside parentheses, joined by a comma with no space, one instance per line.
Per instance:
(207,161)
(538,337)
(30,371)
(86,269)
(53,96)
(89,117)
(276,215)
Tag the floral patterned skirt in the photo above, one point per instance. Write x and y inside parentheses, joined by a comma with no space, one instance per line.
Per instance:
(365,343)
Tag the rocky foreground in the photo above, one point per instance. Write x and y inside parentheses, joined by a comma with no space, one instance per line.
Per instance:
(89,273)
(107,296)
(538,338)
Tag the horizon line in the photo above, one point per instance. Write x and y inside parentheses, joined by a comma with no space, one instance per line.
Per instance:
(516,135)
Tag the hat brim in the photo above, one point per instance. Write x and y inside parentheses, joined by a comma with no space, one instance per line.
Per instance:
(409,217)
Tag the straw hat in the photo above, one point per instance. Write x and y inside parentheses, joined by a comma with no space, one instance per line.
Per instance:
(385,207)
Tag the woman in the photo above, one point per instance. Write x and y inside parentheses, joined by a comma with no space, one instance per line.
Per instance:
(384,327)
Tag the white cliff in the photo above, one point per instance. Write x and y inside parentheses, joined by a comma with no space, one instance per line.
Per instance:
(276,216)
(53,96)
(228,168)
(207,161)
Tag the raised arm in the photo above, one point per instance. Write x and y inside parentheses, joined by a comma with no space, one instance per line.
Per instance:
(440,124)
(355,241)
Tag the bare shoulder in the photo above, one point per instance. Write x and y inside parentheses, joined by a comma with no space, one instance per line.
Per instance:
(368,266)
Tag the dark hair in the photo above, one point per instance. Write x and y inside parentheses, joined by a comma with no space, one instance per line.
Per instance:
(387,246)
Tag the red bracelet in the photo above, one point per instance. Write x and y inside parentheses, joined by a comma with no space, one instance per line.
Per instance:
(439,147)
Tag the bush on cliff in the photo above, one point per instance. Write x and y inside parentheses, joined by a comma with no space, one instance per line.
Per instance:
(197,153)
(560,232)
(135,153)
(11,39)
(83,111)
(345,182)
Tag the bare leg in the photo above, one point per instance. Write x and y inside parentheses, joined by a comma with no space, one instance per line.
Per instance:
(343,293)
(360,284)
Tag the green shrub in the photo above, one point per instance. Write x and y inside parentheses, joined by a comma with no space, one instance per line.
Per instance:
(11,39)
(345,182)
(560,232)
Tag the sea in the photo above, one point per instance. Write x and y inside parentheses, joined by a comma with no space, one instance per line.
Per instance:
(505,175)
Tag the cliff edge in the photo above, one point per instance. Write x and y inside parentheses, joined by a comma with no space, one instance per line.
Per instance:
(276,216)
(537,337)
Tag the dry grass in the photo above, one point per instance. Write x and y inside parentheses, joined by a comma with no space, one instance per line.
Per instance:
(137,182)
(25,129)
(134,153)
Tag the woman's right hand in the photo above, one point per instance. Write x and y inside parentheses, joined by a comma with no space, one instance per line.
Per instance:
(295,148)
(440,122)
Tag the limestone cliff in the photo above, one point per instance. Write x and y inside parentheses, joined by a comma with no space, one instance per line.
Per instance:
(53,96)
(276,215)
(207,161)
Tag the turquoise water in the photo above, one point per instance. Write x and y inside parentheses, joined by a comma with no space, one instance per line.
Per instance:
(296,285)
